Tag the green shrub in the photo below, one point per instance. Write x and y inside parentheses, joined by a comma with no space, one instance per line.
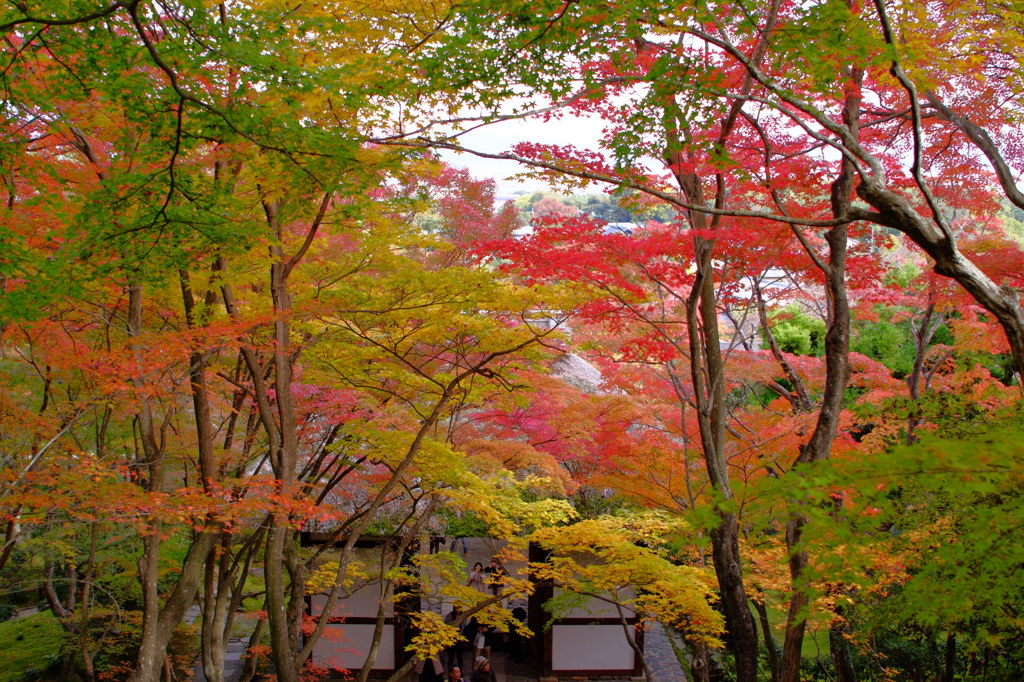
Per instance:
(797,332)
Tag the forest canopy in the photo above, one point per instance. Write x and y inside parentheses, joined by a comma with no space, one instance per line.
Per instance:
(751,369)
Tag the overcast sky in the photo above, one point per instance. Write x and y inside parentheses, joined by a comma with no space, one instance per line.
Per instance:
(501,137)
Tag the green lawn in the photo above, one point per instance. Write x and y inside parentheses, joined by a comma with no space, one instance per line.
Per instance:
(815,642)
(28,643)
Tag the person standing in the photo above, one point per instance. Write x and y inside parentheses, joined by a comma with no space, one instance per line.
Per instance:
(515,640)
(430,670)
(494,573)
(436,536)
(475,579)
(455,675)
(481,643)
(454,653)
(455,539)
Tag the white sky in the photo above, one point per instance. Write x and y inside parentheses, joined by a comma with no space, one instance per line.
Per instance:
(501,137)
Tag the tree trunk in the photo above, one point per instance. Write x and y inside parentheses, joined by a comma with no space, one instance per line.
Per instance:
(708,377)
(90,575)
(949,671)
(837,376)
(837,369)
(371,656)
(212,645)
(798,397)
(774,662)
(283,614)
(10,534)
(251,661)
(725,554)
(297,590)
(151,654)
(922,334)
(158,622)
(707,370)
(222,597)
(52,599)
(277,617)
(839,649)
(1003,302)
(283,460)
(837,372)
(629,632)
(150,462)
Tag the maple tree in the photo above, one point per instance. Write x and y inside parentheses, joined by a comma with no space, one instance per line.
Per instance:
(166,155)
(647,298)
(238,299)
(738,109)
(737,103)
(401,349)
(170,176)
(617,561)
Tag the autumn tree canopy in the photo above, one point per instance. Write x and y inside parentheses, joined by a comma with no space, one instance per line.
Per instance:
(241,298)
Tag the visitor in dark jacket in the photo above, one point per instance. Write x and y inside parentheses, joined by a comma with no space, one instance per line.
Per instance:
(483,672)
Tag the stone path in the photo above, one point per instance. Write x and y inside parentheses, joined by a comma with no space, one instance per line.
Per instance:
(233,664)
(661,657)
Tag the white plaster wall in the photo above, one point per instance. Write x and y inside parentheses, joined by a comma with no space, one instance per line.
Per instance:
(345,646)
(363,603)
(590,647)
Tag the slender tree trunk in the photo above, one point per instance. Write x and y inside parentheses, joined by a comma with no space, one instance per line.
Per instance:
(949,670)
(371,656)
(1003,302)
(158,618)
(798,397)
(707,372)
(224,591)
(774,661)
(212,645)
(839,649)
(65,615)
(837,372)
(919,377)
(631,640)
(283,460)
(277,617)
(10,534)
(251,660)
(56,606)
(837,375)
(151,654)
(90,576)
(150,461)
(707,366)
(708,375)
